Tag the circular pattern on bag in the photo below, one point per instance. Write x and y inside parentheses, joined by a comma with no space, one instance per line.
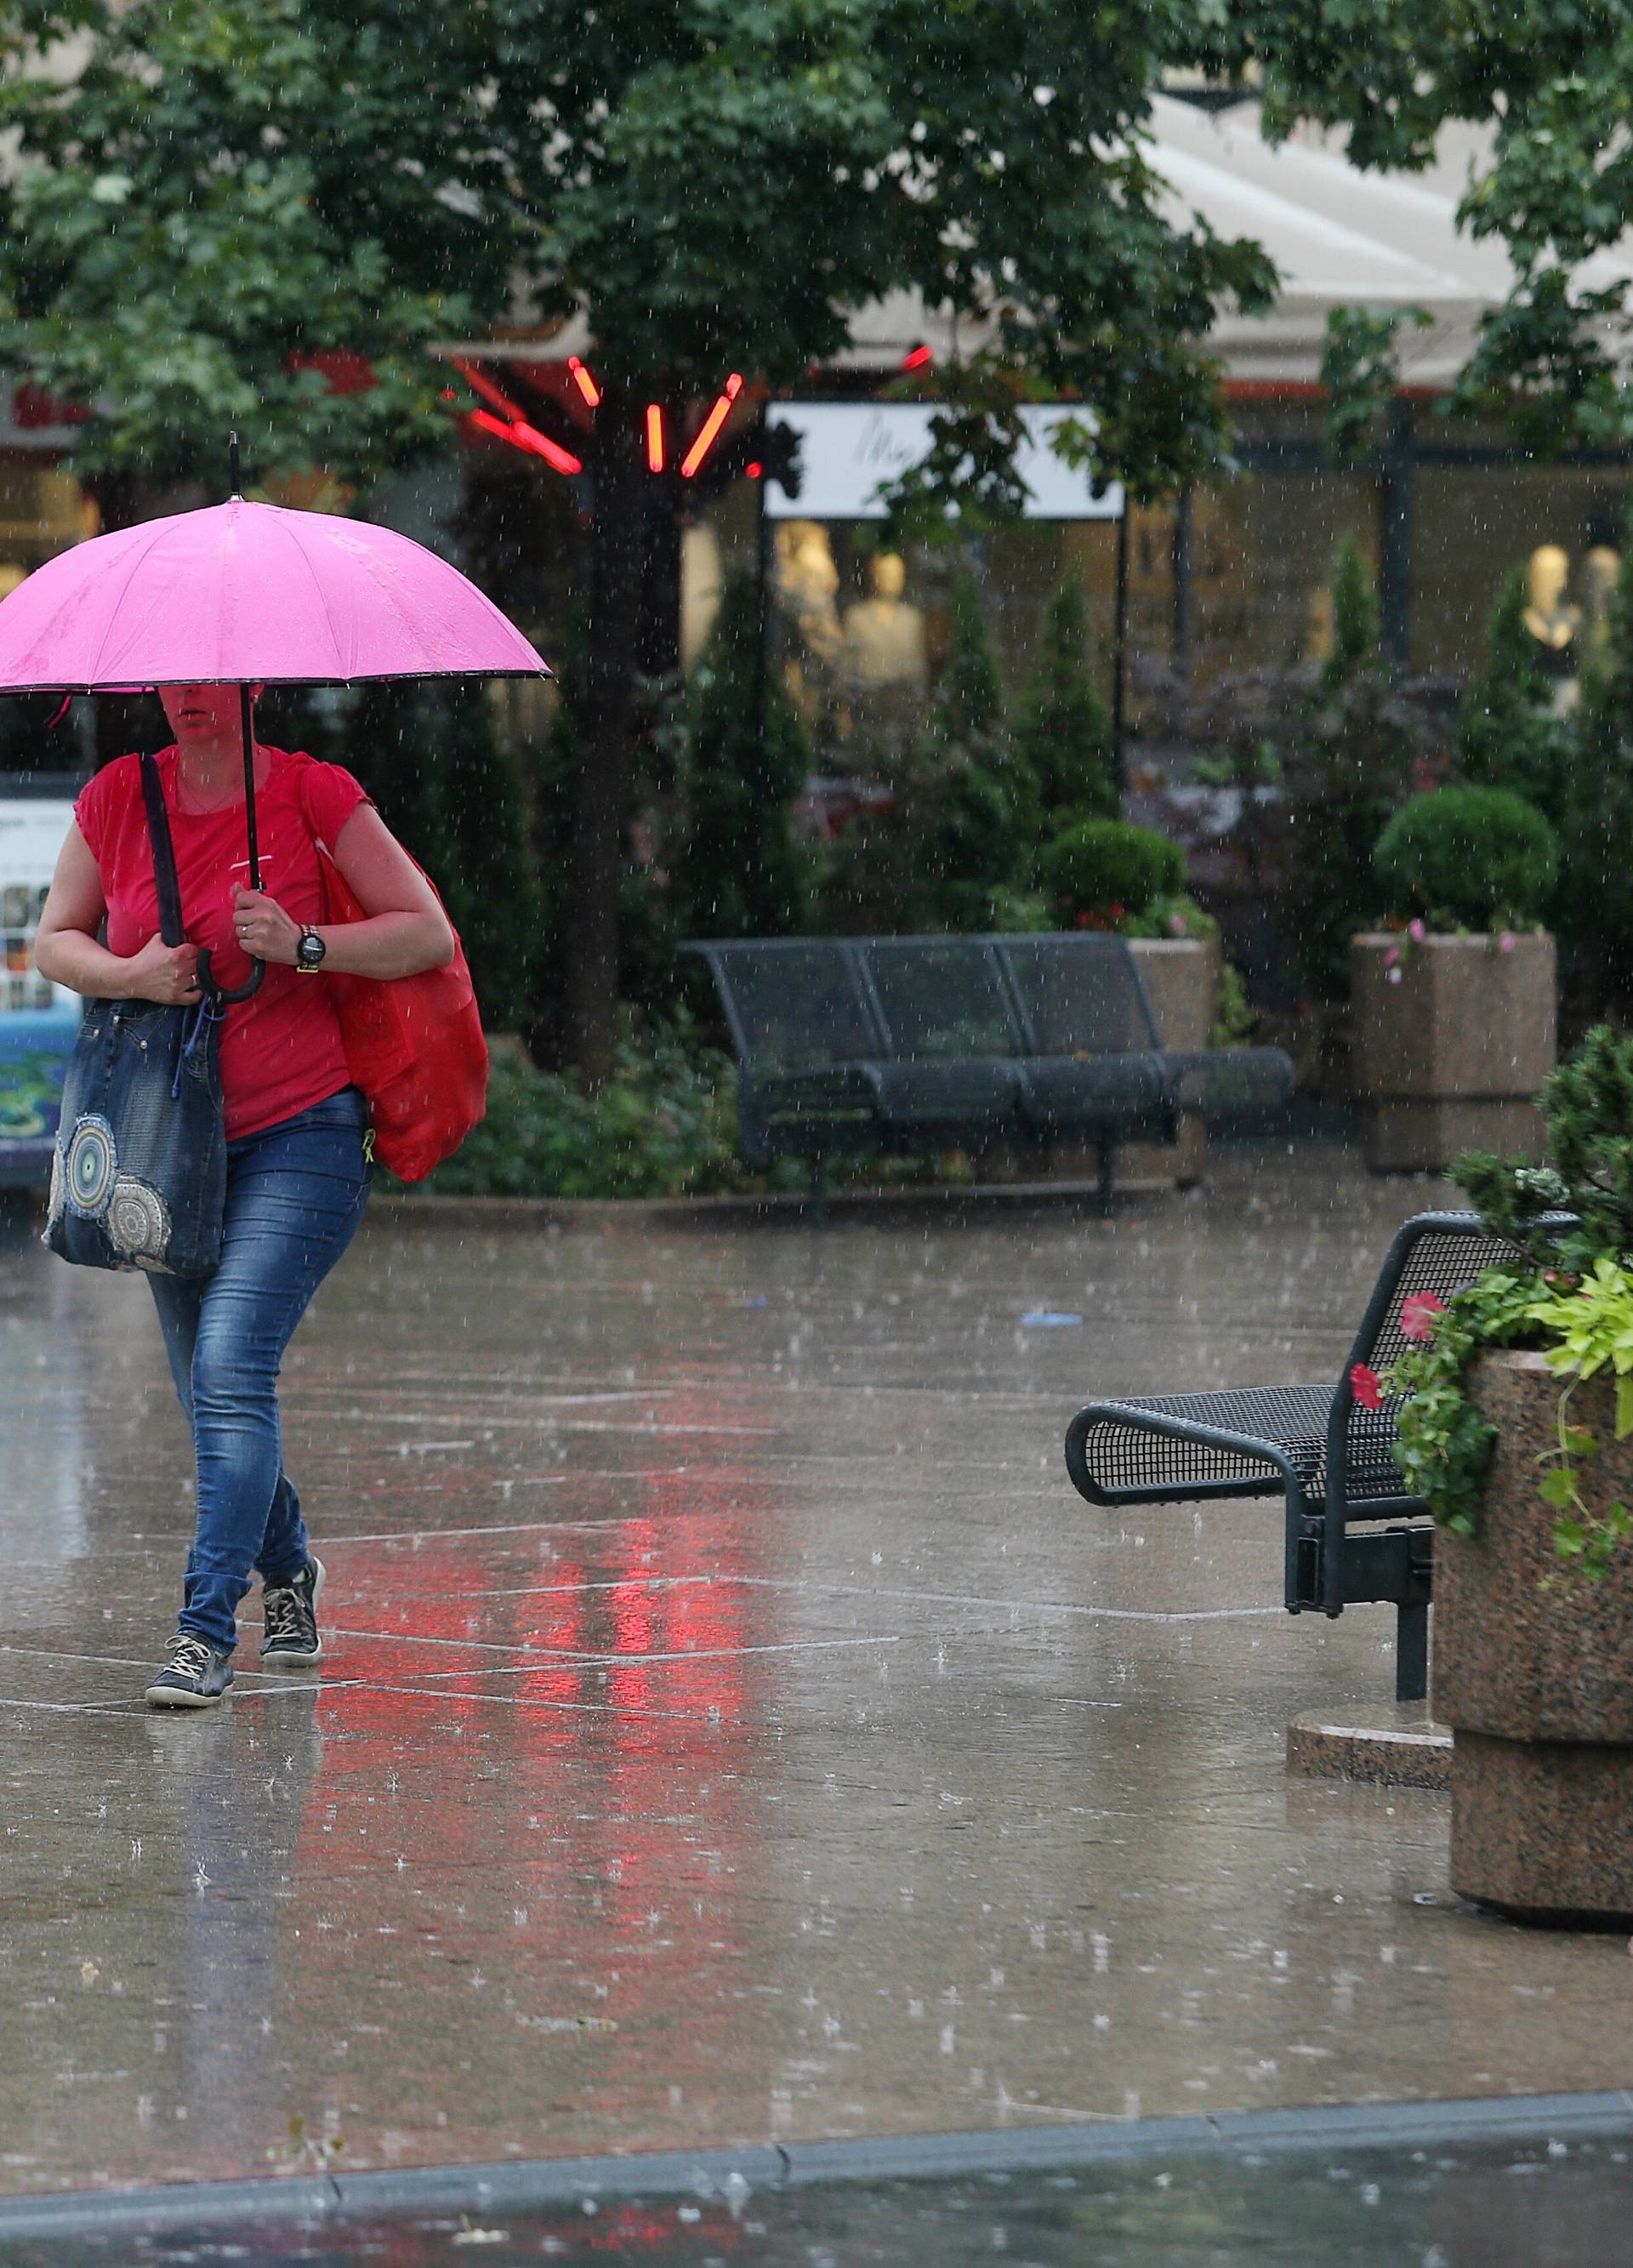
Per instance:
(92,1163)
(138,1219)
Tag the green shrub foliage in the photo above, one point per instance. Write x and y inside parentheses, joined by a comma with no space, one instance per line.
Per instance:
(1472,857)
(740,873)
(1108,868)
(662,1125)
(429,756)
(973,800)
(1064,733)
(1506,736)
(1595,912)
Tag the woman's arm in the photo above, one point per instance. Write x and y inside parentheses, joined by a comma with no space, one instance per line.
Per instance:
(406,931)
(66,948)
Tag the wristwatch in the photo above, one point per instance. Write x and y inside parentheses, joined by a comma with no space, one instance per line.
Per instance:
(309,952)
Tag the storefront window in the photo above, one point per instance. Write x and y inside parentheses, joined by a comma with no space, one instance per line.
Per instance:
(1471,525)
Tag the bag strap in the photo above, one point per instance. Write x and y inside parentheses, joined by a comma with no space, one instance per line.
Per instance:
(170,924)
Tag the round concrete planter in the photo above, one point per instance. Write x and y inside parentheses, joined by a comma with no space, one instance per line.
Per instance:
(1534,1670)
(1451,1057)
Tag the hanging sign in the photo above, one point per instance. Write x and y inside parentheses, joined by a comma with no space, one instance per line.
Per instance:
(848,449)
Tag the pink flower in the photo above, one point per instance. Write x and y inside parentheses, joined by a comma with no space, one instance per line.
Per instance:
(1418,1314)
(1366,1386)
(1177,926)
(1418,931)
(1506,943)
(1391,956)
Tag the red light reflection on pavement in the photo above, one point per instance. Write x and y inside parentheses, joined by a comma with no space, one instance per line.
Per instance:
(604,1793)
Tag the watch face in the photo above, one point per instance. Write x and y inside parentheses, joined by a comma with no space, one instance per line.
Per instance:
(310,951)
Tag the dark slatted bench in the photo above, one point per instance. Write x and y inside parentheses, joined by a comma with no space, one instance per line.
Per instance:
(897,1043)
(1314,1446)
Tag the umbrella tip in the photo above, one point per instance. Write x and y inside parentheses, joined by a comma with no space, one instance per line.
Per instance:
(234,467)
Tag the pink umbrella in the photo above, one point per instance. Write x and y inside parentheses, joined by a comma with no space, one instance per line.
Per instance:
(247,593)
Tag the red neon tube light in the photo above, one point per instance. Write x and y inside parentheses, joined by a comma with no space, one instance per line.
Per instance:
(654,438)
(521,435)
(481,383)
(584,382)
(711,427)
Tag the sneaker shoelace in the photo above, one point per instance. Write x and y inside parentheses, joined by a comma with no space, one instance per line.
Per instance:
(280,1611)
(190,1657)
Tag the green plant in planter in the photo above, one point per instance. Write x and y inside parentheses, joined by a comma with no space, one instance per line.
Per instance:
(1571,1299)
(1102,873)
(1468,858)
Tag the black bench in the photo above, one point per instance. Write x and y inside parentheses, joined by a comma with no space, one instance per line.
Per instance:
(901,1043)
(1314,1446)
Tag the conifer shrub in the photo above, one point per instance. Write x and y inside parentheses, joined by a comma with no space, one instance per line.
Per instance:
(739,871)
(1064,731)
(1594,914)
(429,755)
(1507,737)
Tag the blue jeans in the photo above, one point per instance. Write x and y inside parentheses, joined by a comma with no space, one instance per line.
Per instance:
(295,1194)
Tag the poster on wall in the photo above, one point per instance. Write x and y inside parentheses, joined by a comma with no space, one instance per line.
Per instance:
(39,1021)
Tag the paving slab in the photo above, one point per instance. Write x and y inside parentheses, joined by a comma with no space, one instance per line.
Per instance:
(736,1732)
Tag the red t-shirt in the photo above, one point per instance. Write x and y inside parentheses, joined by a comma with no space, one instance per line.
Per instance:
(281,1049)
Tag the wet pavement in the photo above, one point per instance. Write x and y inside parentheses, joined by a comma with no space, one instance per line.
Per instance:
(736,1732)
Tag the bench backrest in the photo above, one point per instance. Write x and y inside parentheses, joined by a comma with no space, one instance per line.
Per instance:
(1438,1253)
(794,1004)
(942,997)
(1079,993)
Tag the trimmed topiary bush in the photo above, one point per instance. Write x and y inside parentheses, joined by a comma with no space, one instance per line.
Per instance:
(1467,857)
(1109,868)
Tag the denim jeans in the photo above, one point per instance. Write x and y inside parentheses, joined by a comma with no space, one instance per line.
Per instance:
(295,1194)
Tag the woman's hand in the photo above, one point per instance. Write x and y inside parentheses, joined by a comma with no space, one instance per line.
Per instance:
(166,973)
(263,929)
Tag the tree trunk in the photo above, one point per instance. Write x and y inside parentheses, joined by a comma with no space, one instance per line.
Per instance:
(595,851)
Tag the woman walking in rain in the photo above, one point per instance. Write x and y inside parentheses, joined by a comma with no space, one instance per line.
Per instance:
(297,1171)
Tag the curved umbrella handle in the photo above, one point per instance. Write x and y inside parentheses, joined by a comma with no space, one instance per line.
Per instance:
(219,992)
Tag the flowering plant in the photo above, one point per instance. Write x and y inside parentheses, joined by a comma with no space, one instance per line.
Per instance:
(1398,956)
(1568,1296)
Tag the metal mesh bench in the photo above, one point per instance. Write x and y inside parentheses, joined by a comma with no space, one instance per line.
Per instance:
(1314,1446)
(856,1043)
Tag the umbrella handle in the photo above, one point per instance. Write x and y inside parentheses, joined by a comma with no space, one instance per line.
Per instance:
(219,993)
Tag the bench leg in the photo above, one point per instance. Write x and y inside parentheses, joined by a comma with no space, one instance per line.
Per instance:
(819,1191)
(1412,1653)
(1108,1163)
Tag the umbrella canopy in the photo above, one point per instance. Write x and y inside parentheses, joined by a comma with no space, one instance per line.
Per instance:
(247,593)
(242,593)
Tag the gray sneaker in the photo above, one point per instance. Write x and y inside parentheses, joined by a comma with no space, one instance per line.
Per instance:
(291,1611)
(194,1677)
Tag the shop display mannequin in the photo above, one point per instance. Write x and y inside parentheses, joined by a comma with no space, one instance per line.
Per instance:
(806,585)
(1600,571)
(884,646)
(1550,620)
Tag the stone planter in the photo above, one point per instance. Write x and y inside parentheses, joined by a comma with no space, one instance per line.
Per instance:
(1534,1670)
(1451,1057)
(1181,981)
